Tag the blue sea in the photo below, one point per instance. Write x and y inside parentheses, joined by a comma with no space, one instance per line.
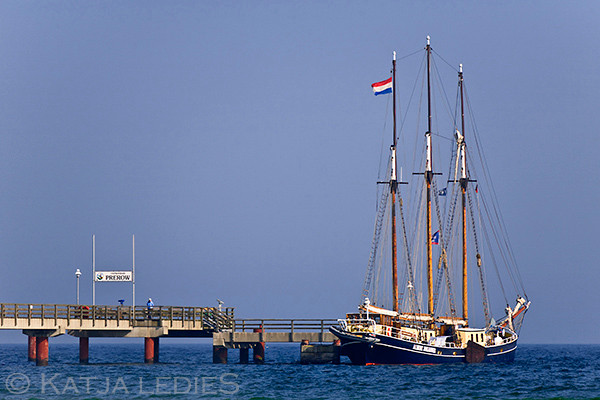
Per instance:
(186,372)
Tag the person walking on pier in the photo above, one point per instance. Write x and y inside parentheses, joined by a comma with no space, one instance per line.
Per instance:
(150,306)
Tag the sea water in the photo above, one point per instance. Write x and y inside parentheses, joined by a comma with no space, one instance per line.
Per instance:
(186,372)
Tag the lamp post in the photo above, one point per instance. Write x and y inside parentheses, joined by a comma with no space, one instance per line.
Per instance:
(77,275)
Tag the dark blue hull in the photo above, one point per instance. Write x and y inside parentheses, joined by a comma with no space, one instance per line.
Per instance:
(379,349)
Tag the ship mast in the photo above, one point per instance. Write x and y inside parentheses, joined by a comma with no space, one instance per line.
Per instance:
(428,181)
(464,181)
(393,186)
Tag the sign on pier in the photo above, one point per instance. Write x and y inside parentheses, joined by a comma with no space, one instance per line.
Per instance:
(113,276)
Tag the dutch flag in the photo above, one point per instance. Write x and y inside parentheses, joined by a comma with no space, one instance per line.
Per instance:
(383,87)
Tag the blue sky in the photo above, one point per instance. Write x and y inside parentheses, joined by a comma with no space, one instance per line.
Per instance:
(239,142)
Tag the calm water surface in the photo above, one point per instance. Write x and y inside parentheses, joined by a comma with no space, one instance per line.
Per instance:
(186,372)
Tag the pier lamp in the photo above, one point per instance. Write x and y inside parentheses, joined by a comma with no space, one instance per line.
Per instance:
(77,275)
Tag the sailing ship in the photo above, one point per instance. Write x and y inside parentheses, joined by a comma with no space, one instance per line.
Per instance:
(412,332)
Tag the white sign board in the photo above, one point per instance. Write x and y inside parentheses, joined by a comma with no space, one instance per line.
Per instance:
(113,276)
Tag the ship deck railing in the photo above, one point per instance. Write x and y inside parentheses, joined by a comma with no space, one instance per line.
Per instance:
(363,324)
(506,340)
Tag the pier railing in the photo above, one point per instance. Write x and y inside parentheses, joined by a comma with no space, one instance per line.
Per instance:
(24,315)
(284,325)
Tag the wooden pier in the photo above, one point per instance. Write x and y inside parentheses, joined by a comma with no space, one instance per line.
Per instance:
(248,334)
(42,321)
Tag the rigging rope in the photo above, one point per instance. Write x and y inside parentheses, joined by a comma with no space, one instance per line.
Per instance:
(442,58)
(512,267)
(407,255)
(444,243)
(375,243)
(484,296)
(443,91)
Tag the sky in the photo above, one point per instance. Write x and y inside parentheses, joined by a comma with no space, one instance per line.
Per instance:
(240,142)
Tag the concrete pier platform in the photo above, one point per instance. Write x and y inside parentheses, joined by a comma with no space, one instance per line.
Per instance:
(320,353)
(43,321)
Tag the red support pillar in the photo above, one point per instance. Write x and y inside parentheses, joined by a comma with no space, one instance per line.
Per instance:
(149,350)
(219,355)
(41,351)
(258,355)
(84,350)
(31,344)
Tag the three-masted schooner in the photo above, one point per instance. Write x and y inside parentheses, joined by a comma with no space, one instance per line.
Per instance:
(405,334)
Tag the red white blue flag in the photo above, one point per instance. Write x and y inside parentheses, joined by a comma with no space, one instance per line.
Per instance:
(435,239)
(383,87)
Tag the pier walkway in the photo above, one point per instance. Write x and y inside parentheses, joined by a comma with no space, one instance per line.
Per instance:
(42,321)
(114,321)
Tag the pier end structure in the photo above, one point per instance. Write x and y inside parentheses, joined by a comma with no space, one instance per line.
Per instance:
(255,333)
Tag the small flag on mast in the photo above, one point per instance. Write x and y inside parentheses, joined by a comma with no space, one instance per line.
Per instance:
(435,239)
(443,192)
(383,87)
